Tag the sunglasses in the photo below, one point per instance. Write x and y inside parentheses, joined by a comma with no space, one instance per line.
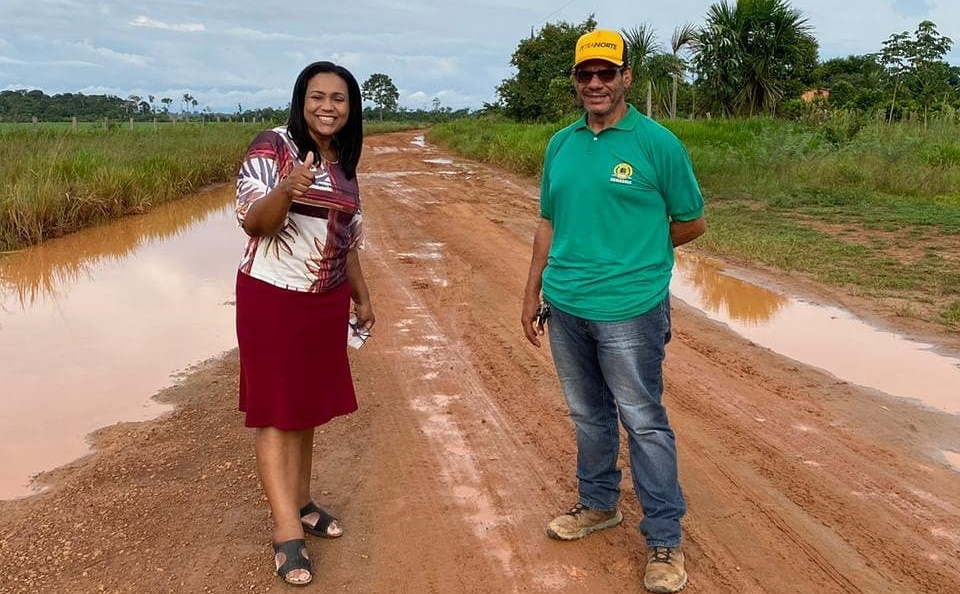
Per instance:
(606,75)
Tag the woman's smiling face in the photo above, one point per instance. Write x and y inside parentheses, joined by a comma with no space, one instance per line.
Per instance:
(326,106)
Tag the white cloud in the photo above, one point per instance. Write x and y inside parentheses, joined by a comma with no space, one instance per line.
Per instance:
(253,34)
(142,21)
(458,52)
(109,54)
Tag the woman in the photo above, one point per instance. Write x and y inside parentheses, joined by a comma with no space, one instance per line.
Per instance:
(298,200)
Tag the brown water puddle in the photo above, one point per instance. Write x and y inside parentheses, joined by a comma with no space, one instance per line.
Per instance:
(826,337)
(92,325)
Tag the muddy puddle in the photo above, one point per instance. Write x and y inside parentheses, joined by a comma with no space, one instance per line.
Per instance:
(827,337)
(92,325)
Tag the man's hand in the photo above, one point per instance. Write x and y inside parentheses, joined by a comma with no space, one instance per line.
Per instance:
(529,320)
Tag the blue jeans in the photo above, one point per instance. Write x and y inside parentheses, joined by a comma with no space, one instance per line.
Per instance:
(612,371)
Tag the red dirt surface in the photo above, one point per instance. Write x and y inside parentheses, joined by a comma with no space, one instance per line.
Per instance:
(462,450)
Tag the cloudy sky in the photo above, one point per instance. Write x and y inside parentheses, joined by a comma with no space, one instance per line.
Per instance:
(457,51)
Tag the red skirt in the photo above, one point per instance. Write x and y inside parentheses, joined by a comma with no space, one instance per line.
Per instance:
(294,370)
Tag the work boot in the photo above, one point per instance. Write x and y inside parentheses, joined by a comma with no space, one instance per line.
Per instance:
(581,521)
(665,573)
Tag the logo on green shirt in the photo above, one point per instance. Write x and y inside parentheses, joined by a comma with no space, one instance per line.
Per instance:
(622,174)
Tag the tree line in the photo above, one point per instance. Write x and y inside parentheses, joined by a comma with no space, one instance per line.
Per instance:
(24,105)
(748,58)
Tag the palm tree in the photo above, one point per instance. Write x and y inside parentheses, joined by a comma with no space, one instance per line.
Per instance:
(660,68)
(641,46)
(187,98)
(748,53)
(683,36)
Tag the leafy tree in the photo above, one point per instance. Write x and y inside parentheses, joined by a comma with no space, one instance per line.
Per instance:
(166,104)
(915,65)
(560,102)
(753,54)
(894,58)
(540,60)
(381,90)
(854,82)
(929,74)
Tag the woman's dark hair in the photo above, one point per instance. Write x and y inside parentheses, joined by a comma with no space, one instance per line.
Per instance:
(349,140)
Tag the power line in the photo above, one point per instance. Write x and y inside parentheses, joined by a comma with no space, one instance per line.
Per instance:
(544,19)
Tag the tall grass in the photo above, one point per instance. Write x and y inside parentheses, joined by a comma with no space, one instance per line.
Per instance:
(870,207)
(57,180)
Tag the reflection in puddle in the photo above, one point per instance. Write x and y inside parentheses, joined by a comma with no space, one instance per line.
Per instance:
(93,324)
(47,271)
(721,292)
(826,337)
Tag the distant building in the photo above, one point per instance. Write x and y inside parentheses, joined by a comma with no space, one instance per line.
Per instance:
(815,94)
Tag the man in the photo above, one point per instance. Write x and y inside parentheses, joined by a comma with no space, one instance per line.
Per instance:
(617,195)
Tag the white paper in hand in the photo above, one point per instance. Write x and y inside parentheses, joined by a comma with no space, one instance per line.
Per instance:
(356,334)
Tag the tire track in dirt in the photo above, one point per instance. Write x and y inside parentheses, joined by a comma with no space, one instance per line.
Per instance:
(483,462)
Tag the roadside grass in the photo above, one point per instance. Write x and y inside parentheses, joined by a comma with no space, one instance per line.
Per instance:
(57,180)
(517,147)
(951,316)
(868,207)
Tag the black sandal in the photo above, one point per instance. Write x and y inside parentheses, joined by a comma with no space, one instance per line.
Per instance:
(295,557)
(322,527)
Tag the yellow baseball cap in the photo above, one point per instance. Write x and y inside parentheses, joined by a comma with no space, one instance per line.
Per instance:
(600,44)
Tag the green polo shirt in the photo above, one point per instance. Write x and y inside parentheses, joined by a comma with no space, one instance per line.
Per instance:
(610,198)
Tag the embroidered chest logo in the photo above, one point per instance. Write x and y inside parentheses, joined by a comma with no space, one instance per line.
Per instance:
(622,174)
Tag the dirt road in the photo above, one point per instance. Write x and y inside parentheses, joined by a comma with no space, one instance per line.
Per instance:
(462,450)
